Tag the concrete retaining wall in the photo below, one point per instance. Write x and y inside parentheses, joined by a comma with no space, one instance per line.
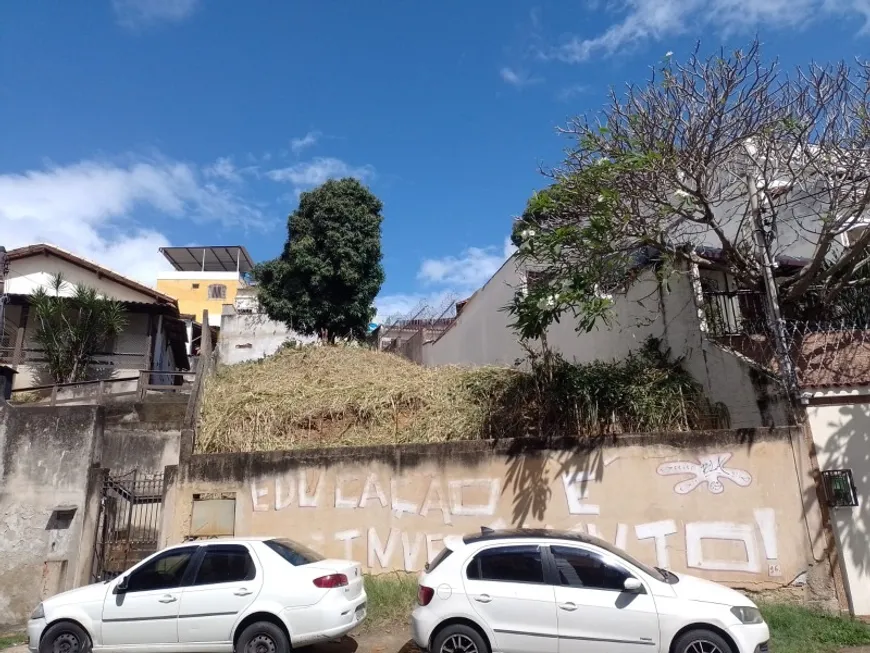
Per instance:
(735,507)
(46,454)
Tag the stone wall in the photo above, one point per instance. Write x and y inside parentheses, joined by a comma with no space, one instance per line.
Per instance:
(735,507)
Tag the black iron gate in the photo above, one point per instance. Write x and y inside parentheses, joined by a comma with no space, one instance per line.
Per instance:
(128,529)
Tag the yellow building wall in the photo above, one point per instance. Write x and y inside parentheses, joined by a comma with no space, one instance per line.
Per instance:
(192,294)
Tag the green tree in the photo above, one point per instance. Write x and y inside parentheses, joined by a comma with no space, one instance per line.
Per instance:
(330,272)
(72,327)
(669,165)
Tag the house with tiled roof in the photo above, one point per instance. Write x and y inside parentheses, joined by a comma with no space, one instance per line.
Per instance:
(154,338)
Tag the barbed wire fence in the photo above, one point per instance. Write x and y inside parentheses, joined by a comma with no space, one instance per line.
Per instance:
(405,334)
(831,348)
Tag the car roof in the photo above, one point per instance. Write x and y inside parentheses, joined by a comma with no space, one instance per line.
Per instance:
(222,540)
(488,534)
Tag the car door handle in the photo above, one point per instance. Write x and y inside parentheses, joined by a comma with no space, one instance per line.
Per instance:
(568,607)
(483,598)
(167,598)
(242,591)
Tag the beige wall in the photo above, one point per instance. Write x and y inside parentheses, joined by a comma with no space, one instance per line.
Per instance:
(724,505)
(841,434)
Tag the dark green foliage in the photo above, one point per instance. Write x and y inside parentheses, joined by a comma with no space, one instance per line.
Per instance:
(71,329)
(644,392)
(330,272)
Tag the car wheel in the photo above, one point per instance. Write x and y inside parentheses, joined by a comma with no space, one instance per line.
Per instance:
(459,639)
(65,637)
(702,641)
(262,637)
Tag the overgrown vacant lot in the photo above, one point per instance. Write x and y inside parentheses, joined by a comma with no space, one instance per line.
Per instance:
(345,396)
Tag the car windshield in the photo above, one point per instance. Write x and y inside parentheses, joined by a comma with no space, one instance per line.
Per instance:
(293,552)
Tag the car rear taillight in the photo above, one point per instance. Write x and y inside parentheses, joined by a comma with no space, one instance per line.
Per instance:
(333,580)
(424,595)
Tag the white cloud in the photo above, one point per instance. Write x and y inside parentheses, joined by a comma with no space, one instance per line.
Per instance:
(310,139)
(317,171)
(88,208)
(518,78)
(446,280)
(468,271)
(571,91)
(655,20)
(142,13)
(223,168)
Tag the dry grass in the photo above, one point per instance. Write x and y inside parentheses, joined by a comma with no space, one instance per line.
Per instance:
(344,396)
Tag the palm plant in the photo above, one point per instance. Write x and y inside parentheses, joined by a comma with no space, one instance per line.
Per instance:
(73,327)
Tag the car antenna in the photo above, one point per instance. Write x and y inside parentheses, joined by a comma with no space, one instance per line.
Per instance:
(486,530)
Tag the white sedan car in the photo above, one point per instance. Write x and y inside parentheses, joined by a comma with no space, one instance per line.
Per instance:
(551,592)
(249,595)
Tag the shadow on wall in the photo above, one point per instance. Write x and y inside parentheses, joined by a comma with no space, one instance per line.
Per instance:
(582,462)
(848,447)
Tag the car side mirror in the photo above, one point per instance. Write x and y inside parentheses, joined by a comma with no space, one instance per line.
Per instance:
(122,585)
(633,585)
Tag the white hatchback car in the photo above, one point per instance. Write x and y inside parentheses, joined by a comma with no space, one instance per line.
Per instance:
(551,592)
(249,595)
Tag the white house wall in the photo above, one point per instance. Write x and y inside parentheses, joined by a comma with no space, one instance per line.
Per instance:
(28,274)
(482,334)
(251,336)
(725,377)
(841,434)
(131,341)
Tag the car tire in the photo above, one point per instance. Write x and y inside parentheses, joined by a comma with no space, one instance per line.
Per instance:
(702,641)
(65,637)
(262,637)
(459,639)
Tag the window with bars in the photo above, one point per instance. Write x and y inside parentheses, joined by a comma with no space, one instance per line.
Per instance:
(217,291)
(840,488)
(535,279)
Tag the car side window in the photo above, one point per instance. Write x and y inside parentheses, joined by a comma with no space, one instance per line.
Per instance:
(163,572)
(509,564)
(228,563)
(581,568)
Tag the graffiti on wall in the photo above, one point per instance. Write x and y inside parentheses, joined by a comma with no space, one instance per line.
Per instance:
(709,469)
(751,546)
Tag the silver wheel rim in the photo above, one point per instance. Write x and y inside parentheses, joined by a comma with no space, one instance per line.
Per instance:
(66,643)
(461,644)
(702,646)
(261,644)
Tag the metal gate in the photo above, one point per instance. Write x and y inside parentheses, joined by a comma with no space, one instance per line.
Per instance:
(128,529)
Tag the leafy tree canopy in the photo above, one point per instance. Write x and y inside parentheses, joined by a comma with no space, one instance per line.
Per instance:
(330,272)
(667,167)
(72,327)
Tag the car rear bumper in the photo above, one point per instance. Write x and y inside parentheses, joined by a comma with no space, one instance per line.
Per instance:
(751,638)
(423,622)
(324,623)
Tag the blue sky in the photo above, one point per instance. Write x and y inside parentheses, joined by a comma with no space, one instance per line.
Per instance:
(132,124)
